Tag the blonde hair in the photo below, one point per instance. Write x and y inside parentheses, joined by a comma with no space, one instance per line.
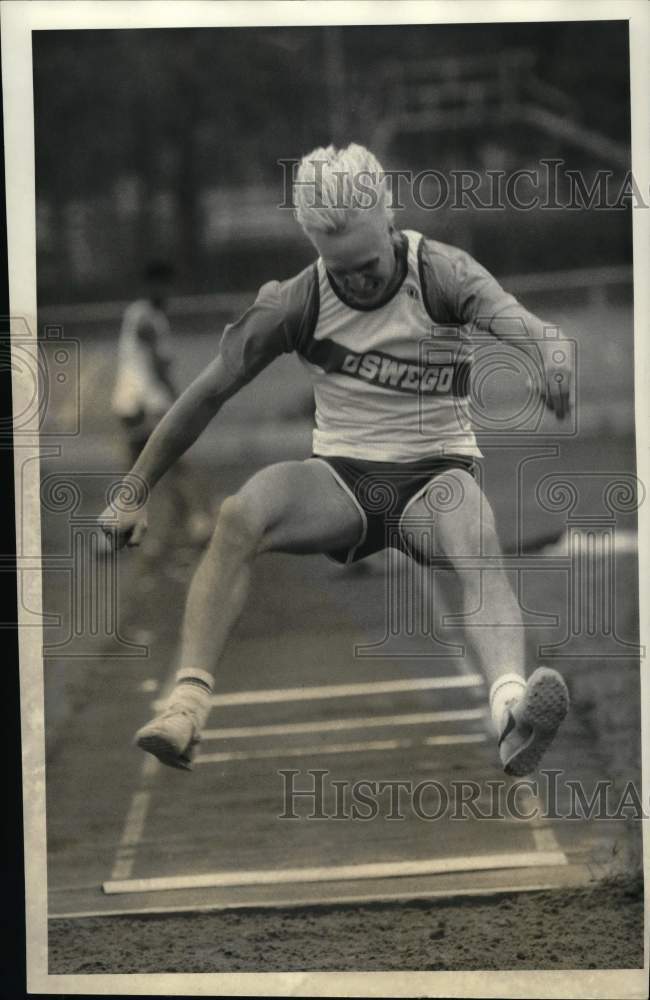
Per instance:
(333,185)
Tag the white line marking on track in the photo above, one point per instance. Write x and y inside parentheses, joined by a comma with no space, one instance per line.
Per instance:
(338,725)
(543,834)
(285,903)
(339,873)
(319,750)
(311,751)
(453,739)
(134,823)
(264,697)
(544,838)
(150,767)
(131,834)
(625,543)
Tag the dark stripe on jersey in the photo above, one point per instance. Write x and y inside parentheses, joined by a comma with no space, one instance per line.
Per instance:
(437,307)
(308,313)
(389,372)
(423,285)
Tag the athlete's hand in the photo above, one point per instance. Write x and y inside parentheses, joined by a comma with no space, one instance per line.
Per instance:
(124,521)
(558,377)
(123,528)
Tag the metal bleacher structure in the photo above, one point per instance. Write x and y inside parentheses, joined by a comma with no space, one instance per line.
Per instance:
(470,91)
(425,96)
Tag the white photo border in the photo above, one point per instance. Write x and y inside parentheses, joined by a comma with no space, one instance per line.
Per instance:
(18,19)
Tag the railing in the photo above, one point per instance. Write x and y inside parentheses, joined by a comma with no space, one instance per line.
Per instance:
(470,91)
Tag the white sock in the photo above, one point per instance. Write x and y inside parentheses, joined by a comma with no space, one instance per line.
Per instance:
(507,689)
(193,689)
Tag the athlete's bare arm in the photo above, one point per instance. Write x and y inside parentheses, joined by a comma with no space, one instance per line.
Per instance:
(479,299)
(527,334)
(176,432)
(248,345)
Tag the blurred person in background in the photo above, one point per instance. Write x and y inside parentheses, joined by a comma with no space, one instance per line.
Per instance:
(388,425)
(144,389)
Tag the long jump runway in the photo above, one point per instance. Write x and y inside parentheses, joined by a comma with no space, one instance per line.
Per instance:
(309,684)
(313,697)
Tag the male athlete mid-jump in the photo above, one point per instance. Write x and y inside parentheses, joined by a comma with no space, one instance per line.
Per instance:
(357,318)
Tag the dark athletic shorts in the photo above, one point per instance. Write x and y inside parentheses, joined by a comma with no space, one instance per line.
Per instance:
(383,492)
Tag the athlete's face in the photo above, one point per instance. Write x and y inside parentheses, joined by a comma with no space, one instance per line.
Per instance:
(361,259)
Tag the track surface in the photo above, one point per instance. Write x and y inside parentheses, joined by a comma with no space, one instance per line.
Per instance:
(114,815)
(223,818)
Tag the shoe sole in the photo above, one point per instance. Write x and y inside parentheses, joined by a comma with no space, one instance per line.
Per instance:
(161,748)
(545,705)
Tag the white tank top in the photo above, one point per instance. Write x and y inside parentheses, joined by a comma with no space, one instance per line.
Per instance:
(390,383)
(137,387)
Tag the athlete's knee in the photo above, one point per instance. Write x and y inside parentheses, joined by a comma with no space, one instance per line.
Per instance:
(469,528)
(238,526)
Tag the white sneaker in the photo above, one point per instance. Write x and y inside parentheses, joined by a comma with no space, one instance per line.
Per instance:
(172,736)
(531,723)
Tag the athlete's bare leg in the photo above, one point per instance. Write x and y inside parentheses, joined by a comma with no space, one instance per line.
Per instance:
(454,522)
(293,507)
(289,507)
